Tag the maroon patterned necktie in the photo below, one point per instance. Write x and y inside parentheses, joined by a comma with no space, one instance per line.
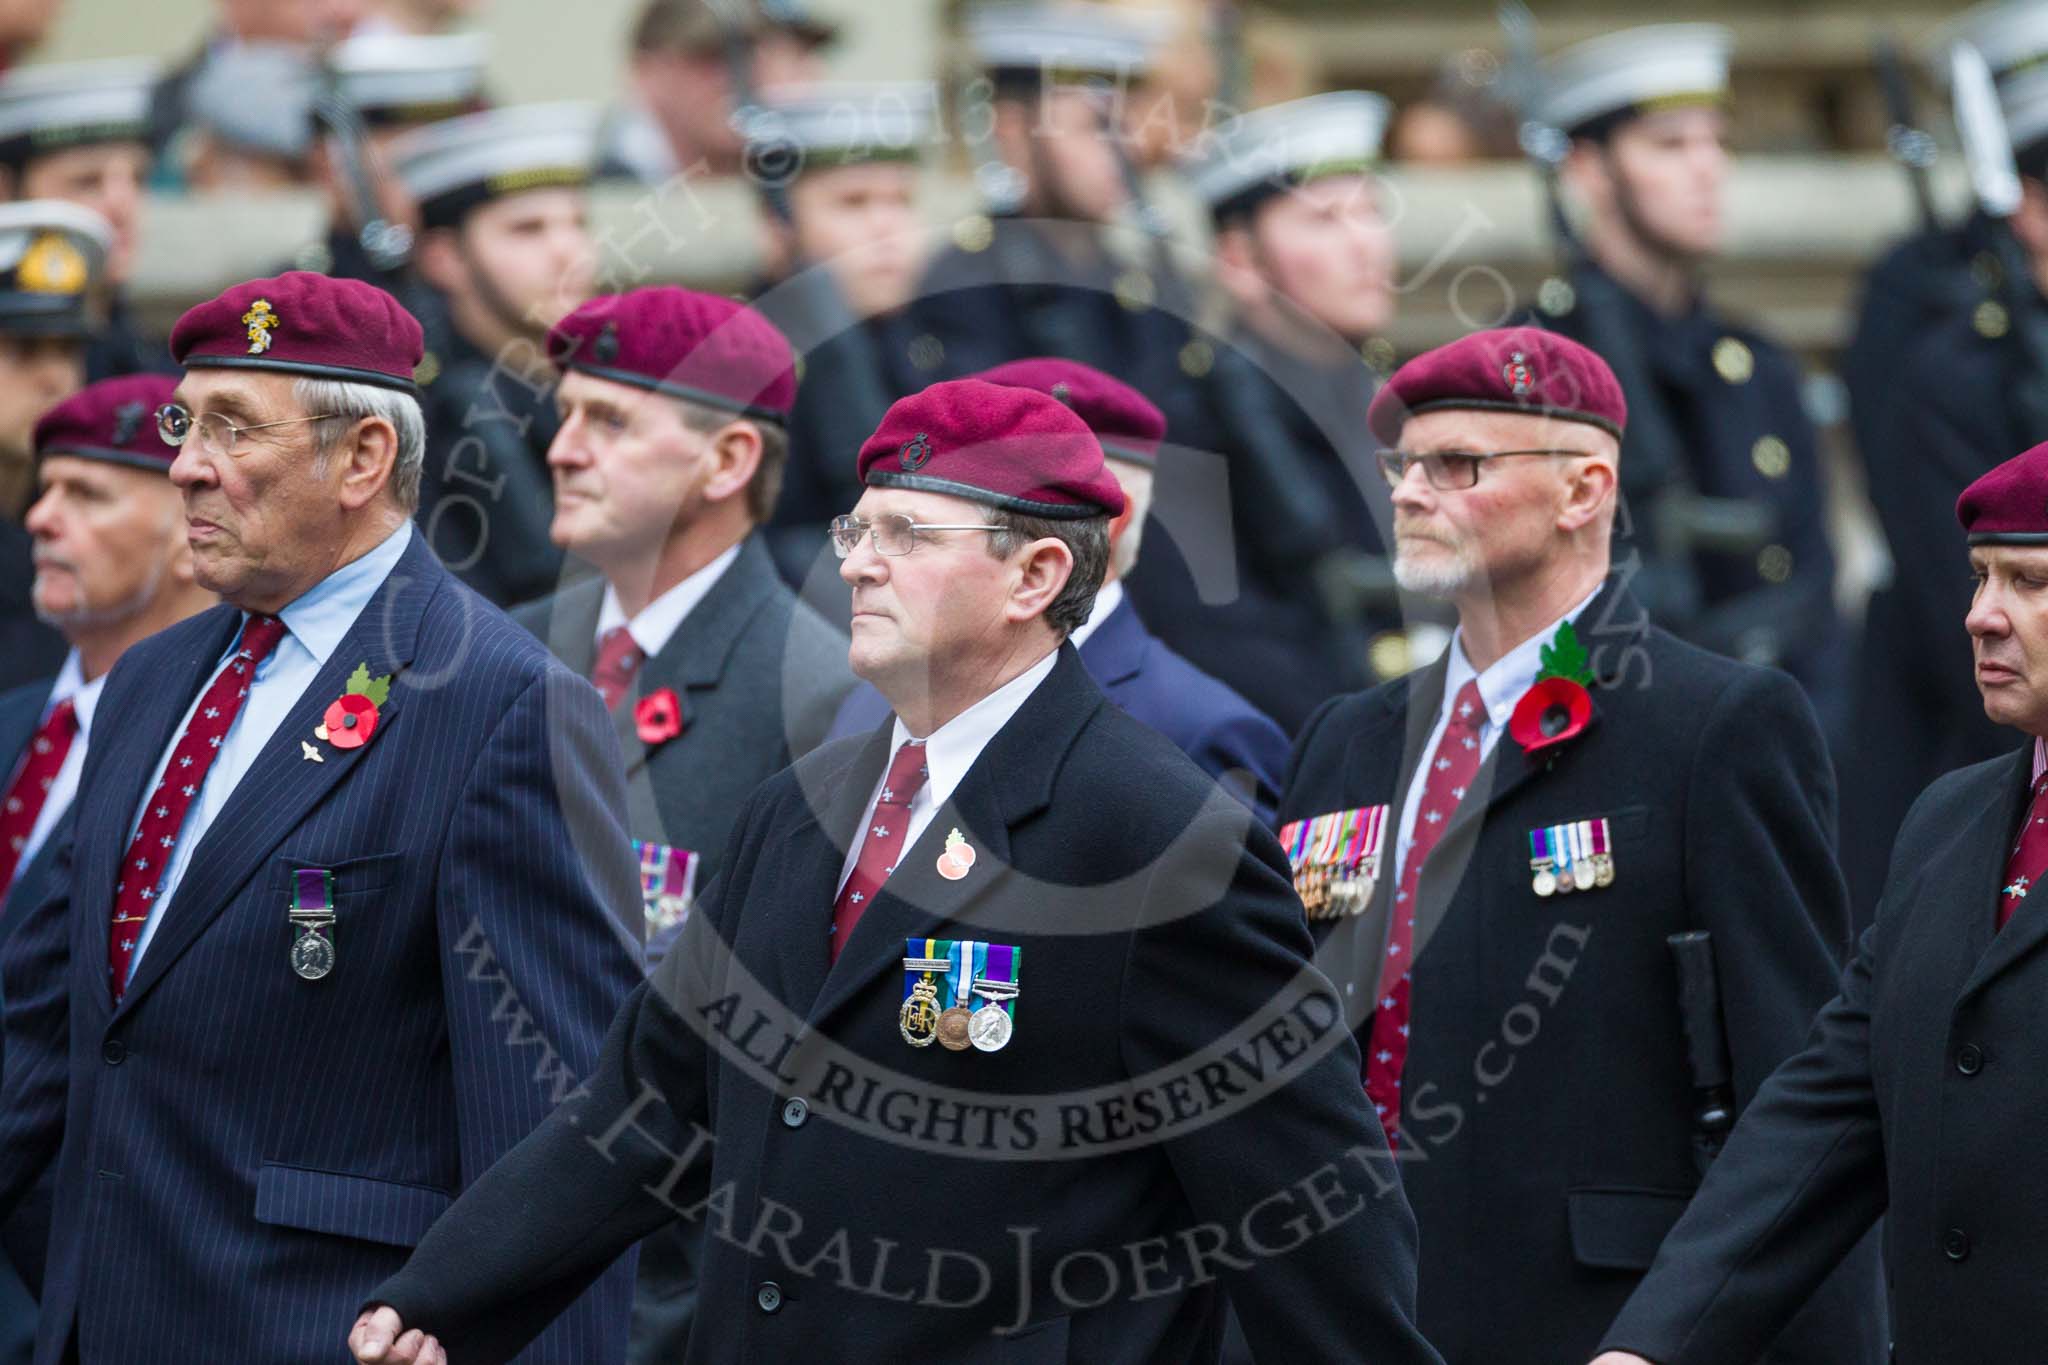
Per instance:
(618,661)
(163,814)
(2029,860)
(31,787)
(1451,769)
(881,842)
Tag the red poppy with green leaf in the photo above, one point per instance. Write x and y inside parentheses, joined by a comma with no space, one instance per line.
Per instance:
(352,717)
(1558,707)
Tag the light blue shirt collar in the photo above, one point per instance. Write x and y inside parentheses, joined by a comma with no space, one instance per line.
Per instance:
(328,610)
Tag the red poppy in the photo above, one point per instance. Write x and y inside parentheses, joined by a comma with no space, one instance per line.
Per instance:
(658,717)
(1551,712)
(350,721)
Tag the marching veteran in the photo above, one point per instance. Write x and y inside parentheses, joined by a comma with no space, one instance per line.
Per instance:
(335,926)
(998,949)
(1497,848)
(1919,1094)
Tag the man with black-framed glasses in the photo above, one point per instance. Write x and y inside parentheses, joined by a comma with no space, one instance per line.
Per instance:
(1494,850)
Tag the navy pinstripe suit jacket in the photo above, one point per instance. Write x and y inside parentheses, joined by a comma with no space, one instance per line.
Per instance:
(241,1155)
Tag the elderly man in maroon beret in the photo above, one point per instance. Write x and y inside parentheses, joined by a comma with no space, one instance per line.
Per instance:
(334,926)
(944,1063)
(1918,1096)
(1495,850)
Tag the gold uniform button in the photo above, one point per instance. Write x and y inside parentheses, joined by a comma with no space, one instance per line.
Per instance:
(1135,291)
(1378,354)
(1771,456)
(1990,320)
(1390,655)
(1733,361)
(1556,297)
(974,232)
(1197,358)
(1774,564)
(927,352)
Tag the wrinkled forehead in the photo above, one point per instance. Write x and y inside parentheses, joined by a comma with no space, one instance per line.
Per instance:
(2031,560)
(236,393)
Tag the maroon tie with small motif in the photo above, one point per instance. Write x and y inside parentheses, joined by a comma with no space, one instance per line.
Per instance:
(1451,769)
(31,787)
(2029,860)
(881,842)
(163,814)
(618,661)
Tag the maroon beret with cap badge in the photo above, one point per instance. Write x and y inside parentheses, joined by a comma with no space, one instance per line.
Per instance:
(1124,420)
(702,348)
(2008,505)
(304,323)
(1013,448)
(113,420)
(1506,369)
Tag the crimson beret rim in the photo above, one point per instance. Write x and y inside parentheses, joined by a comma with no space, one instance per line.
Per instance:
(101,454)
(1008,502)
(345,373)
(670,389)
(1517,409)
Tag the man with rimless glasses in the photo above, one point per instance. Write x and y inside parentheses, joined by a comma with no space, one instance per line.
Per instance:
(329,837)
(1535,813)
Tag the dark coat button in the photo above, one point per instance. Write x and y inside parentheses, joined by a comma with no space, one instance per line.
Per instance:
(1955,1244)
(795,1112)
(114,1052)
(769,1296)
(1969,1059)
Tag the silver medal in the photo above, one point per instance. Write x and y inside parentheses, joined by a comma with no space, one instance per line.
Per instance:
(990,1028)
(312,955)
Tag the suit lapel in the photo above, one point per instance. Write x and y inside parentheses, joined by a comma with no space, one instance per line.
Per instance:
(1979,856)
(1010,782)
(695,656)
(280,787)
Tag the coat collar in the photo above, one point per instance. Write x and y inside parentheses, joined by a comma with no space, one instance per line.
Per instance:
(1010,783)
(1980,853)
(280,787)
(1115,653)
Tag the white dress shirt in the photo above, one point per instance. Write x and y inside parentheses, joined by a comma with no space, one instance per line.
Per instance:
(949,752)
(1106,601)
(84,696)
(661,618)
(315,624)
(1500,687)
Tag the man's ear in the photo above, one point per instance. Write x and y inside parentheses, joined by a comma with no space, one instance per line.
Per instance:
(735,459)
(1237,266)
(1588,173)
(438,259)
(1043,568)
(1589,489)
(365,461)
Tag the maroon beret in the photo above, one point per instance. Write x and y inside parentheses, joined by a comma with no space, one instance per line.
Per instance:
(113,420)
(703,348)
(2008,505)
(303,323)
(1011,448)
(1124,420)
(1507,369)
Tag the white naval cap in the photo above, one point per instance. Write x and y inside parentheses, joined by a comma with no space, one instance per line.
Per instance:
(409,78)
(451,166)
(832,123)
(74,104)
(2010,35)
(1065,39)
(257,97)
(1636,69)
(52,255)
(1271,149)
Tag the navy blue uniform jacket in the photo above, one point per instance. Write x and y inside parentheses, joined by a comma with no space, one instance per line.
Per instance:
(1154,920)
